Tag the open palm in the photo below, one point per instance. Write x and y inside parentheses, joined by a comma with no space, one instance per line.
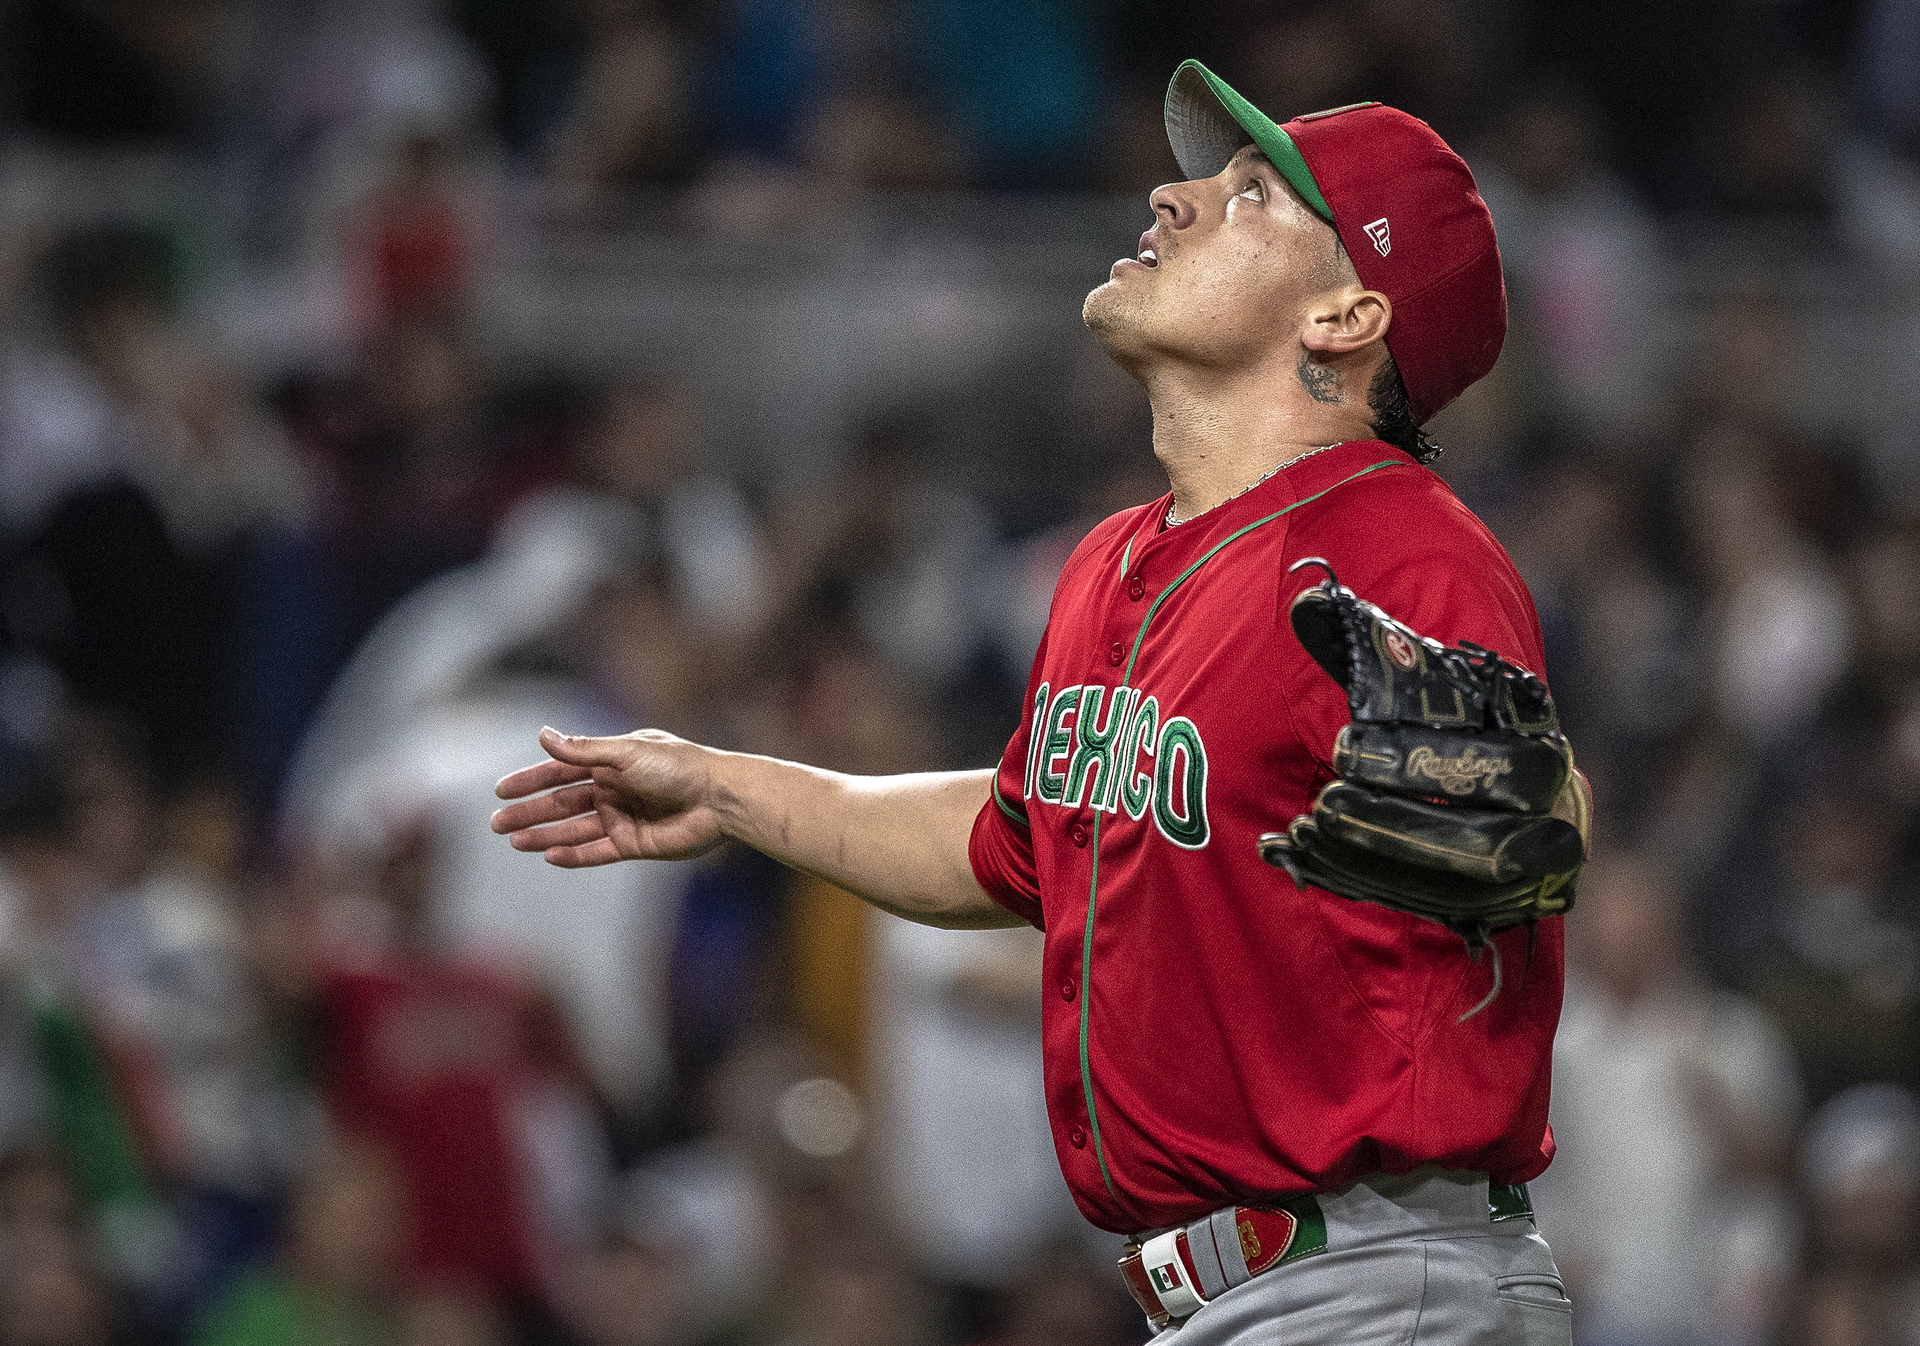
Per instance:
(639,796)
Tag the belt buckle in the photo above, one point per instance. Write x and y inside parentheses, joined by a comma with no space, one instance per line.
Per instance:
(1134,1274)
(1166,1274)
(1156,1273)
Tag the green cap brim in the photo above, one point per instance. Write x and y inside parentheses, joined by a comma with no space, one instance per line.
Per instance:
(1208,123)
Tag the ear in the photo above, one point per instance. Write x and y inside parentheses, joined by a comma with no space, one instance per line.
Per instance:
(1344,319)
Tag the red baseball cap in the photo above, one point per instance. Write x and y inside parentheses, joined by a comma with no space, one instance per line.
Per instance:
(1403,203)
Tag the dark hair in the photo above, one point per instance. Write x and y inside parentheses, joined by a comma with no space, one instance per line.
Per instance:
(1393,413)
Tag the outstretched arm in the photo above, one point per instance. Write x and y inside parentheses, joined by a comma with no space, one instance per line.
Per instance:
(900,842)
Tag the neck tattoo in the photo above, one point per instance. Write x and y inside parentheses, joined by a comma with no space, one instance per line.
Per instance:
(1175,523)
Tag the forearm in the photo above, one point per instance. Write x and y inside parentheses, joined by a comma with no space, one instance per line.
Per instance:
(900,842)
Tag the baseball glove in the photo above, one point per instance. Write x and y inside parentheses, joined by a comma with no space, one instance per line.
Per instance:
(1457,797)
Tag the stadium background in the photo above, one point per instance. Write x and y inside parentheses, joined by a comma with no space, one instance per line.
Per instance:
(383,380)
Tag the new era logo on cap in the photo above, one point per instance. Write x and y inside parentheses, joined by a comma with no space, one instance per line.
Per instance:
(1382,240)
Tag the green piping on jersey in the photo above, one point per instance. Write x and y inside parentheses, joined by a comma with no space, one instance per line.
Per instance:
(1093,890)
(1086,997)
(1018,815)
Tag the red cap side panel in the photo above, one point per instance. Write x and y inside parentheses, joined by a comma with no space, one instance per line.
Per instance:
(1414,225)
(1437,341)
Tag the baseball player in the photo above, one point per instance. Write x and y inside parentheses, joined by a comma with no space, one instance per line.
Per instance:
(1314,1116)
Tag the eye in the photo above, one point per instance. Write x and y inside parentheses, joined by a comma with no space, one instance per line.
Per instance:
(1255,190)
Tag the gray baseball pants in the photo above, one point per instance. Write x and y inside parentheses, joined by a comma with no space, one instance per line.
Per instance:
(1412,1261)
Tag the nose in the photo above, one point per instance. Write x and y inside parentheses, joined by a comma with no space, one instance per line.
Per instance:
(1173,204)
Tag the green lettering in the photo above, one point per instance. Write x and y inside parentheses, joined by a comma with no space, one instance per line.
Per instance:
(1095,750)
(1047,782)
(1040,699)
(1136,787)
(1126,699)
(1186,825)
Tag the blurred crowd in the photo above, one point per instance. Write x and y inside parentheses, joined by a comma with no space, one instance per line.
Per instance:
(294,1052)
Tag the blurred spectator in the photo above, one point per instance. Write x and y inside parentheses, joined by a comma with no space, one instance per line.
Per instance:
(759,74)
(452,1319)
(49,1296)
(847,711)
(1840,970)
(533,51)
(1624,639)
(79,1075)
(1779,616)
(640,1287)
(1884,581)
(418,239)
(161,960)
(1889,56)
(158,966)
(1653,69)
(467,1081)
(43,880)
(1877,168)
(333,1278)
(1315,54)
(837,110)
(1663,1084)
(907,561)
(849,1292)
(1768,148)
(412,461)
(51,1291)
(1860,1166)
(627,121)
(1583,257)
(1137,158)
(965,1141)
(554,626)
(643,449)
(136,478)
(867,140)
(1745,363)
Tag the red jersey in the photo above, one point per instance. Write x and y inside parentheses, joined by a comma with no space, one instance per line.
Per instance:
(1212,1035)
(426,1059)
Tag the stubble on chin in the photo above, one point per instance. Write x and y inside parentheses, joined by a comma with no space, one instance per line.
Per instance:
(1113,319)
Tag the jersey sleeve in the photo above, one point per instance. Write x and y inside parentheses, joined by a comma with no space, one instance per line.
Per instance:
(1411,547)
(1001,853)
(1001,847)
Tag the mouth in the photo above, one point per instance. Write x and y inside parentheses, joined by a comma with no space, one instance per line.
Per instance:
(1147,258)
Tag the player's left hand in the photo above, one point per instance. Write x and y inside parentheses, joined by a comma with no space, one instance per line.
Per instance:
(1457,798)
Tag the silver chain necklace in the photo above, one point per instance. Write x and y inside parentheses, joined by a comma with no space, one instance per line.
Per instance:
(1264,476)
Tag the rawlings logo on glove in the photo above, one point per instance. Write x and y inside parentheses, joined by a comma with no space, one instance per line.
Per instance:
(1457,798)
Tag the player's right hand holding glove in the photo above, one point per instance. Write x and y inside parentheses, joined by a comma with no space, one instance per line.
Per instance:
(1457,797)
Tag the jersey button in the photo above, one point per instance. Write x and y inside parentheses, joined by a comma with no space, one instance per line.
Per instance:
(1136,588)
(1068,990)
(1077,1138)
(1117,653)
(1078,834)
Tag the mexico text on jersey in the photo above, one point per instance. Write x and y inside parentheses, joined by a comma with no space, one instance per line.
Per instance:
(1129,759)
(1212,1035)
